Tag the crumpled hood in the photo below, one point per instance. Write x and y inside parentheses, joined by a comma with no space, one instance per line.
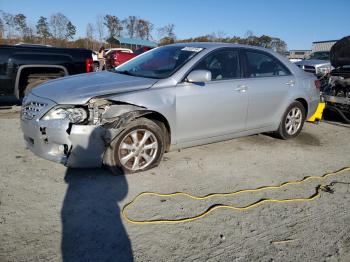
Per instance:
(79,89)
(340,52)
(312,62)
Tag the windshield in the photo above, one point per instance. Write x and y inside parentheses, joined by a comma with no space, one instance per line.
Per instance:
(324,55)
(159,63)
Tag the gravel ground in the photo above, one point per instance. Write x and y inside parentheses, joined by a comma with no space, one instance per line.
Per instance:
(51,213)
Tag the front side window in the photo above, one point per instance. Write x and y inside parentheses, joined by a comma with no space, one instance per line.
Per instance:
(159,63)
(223,64)
(264,65)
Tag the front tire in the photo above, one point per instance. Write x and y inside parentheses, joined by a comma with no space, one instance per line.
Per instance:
(139,147)
(292,121)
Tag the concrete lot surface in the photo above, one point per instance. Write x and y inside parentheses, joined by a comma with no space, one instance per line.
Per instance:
(51,213)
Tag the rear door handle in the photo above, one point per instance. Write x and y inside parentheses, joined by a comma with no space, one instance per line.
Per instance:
(241,88)
(290,83)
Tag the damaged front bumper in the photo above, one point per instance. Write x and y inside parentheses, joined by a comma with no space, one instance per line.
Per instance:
(59,141)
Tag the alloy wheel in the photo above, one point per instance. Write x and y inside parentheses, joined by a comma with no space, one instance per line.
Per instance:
(293,121)
(138,149)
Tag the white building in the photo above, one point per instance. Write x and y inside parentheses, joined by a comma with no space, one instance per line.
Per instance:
(323,45)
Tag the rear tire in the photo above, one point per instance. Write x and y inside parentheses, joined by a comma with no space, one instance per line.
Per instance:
(130,152)
(292,121)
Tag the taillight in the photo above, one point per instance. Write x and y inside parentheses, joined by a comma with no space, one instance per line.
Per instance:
(89,65)
(318,84)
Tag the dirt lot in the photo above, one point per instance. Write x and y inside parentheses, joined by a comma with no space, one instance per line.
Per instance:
(50,213)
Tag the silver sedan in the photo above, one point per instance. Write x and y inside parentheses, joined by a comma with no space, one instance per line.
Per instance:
(171,97)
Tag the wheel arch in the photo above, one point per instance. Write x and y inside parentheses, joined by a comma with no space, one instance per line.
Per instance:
(22,67)
(304,103)
(158,117)
(119,114)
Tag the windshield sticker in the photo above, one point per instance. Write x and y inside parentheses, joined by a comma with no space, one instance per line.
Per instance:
(192,49)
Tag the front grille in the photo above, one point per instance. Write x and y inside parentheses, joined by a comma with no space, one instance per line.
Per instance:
(306,68)
(310,69)
(31,109)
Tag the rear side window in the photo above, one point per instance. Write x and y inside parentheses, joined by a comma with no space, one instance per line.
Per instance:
(223,64)
(264,65)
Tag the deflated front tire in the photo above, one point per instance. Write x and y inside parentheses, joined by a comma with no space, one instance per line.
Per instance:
(139,147)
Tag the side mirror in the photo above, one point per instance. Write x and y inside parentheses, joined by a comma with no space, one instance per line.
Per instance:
(199,76)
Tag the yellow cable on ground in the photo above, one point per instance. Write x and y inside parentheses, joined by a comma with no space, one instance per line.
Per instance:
(215,207)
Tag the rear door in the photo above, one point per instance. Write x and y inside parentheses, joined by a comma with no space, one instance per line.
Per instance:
(214,108)
(268,83)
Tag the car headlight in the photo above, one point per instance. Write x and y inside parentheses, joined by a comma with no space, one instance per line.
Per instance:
(323,70)
(72,114)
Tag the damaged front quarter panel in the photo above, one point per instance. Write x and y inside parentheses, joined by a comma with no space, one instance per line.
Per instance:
(106,120)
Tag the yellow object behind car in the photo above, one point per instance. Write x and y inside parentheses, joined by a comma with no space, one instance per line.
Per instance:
(317,116)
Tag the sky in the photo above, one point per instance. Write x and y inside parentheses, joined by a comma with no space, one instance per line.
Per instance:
(297,22)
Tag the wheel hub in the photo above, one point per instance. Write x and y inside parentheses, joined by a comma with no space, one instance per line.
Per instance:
(138,149)
(293,121)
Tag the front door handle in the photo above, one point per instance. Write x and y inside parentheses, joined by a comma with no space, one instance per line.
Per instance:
(241,88)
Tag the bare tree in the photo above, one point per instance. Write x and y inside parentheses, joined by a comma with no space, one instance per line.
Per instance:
(278,45)
(100,27)
(144,29)
(21,25)
(61,28)
(90,31)
(9,24)
(249,33)
(167,31)
(90,35)
(2,29)
(114,25)
(30,33)
(58,23)
(130,25)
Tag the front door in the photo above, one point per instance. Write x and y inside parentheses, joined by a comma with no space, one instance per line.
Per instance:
(214,108)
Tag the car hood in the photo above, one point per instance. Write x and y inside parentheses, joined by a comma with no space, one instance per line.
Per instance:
(340,52)
(312,62)
(79,89)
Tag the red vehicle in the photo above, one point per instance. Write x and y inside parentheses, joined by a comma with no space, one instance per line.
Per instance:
(118,57)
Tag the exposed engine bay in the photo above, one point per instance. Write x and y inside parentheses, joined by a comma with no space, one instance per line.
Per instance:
(336,93)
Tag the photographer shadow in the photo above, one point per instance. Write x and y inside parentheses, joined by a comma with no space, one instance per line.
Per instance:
(92,229)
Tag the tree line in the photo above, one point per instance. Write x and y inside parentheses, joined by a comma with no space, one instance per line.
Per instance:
(265,41)
(58,30)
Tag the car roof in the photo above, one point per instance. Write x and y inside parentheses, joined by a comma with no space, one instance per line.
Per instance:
(214,45)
